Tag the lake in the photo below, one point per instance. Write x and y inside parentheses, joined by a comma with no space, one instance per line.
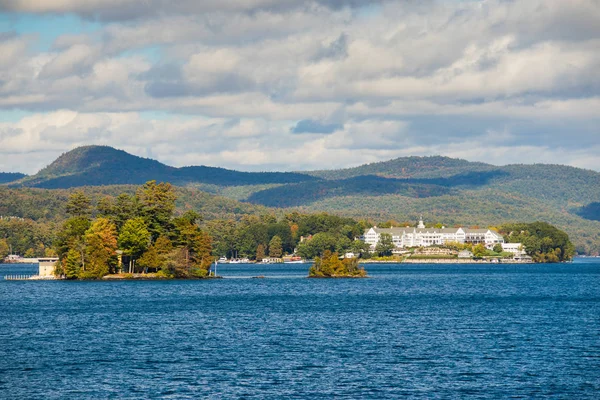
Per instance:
(416,331)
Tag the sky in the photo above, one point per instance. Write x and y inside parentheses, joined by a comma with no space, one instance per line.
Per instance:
(260,85)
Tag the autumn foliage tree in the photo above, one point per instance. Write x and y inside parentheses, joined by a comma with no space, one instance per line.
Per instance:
(100,248)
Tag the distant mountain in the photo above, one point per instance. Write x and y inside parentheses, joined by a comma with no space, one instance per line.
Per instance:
(408,167)
(7,177)
(104,165)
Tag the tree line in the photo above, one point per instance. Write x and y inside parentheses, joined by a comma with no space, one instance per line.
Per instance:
(307,235)
(143,228)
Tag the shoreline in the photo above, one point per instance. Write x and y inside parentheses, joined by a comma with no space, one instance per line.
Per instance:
(446,261)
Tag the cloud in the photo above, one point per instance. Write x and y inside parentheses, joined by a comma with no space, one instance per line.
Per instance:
(120,10)
(255,81)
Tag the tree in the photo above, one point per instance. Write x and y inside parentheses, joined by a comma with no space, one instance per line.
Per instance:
(4,249)
(195,243)
(317,245)
(283,230)
(385,245)
(134,239)
(151,259)
(223,233)
(330,266)
(101,248)
(250,233)
(156,255)
(275,247)
(72,264)
(498,248)
(79,205)
(156,203)
(119,210)
(360,247)
(541,241)
(479,251)
(105,207)
(163,245)
(71,237)
(260,252)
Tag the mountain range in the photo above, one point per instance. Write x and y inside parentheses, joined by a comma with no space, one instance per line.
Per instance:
(446,190)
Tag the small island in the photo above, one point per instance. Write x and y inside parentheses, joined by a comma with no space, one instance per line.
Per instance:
(330,266)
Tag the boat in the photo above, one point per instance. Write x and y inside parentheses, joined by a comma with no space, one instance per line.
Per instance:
(239,261)
(294,260)
(223,260)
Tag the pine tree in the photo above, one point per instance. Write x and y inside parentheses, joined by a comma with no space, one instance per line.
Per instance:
(260,252)
(72,264)
(275,247)
(157,204)
(79,205)
(134,239)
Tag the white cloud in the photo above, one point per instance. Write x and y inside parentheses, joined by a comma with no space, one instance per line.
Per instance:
(399,77)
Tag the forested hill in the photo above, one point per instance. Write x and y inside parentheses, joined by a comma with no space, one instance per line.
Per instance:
(104,165)
(6,177)
(408,167)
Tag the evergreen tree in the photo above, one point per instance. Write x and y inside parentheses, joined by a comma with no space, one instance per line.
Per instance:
(79,205)
(126,207)
(72,264)
(71,237)
(157,203)
(275,247)
(195,243)
(156,256)
(260,252)
(134,239)
(385,245)
(151,259)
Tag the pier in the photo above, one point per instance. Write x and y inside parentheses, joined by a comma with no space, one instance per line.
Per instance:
(17,277)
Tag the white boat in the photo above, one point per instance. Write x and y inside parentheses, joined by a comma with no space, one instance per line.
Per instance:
(294,260)
(223,260)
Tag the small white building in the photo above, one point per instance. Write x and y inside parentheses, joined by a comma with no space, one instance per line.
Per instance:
(465,254)
(46,267)
(515,248)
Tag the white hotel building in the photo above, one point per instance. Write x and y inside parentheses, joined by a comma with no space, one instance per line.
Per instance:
(423,237)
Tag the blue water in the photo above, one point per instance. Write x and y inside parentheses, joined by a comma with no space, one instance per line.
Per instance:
(425,331)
